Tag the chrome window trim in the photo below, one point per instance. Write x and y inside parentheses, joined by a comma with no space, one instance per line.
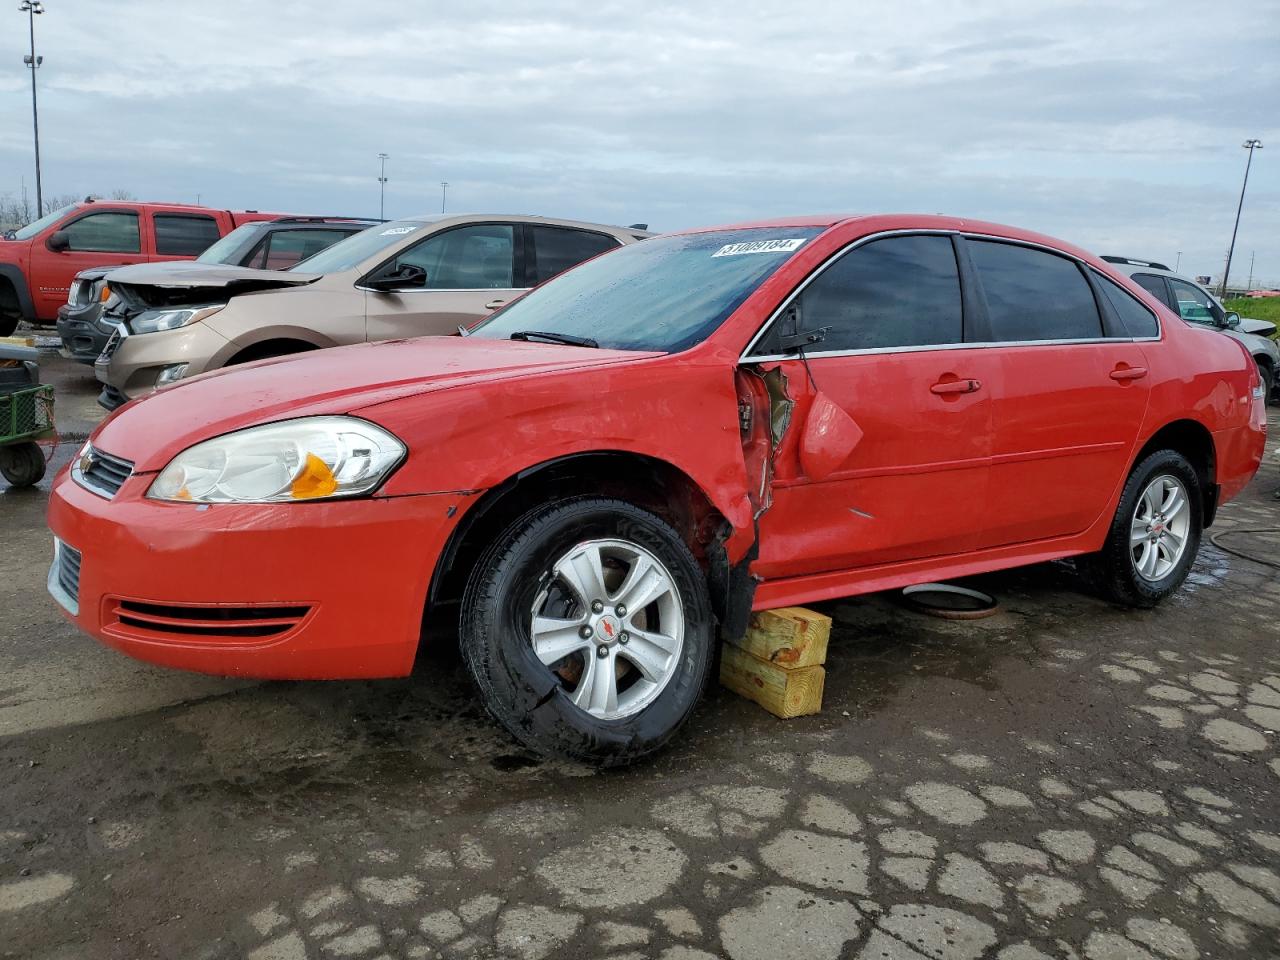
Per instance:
(748,357)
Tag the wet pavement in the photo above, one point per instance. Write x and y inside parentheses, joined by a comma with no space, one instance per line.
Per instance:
(1064,779)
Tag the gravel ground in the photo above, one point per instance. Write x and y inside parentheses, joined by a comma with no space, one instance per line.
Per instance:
(1064,779)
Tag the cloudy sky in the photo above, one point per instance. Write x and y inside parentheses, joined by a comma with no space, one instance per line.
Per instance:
(1116,125)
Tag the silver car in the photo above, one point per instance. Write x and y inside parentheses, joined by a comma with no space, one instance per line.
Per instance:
(1195,304)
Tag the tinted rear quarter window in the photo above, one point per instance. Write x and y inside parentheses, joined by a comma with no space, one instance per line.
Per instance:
(1155,286)
(556,249)
(895,292)
(1034,295)
(1138,321)
(184,235)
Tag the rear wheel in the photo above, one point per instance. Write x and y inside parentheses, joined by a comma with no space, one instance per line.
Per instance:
(588,631)
(1155,534)
(22,464)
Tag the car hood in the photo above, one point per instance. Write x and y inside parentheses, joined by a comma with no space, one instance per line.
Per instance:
(187,274)
(150,431)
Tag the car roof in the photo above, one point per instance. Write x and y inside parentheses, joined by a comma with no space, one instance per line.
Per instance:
(437,218)
(1130,267)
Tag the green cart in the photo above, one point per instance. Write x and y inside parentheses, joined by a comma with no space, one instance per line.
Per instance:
(26,416)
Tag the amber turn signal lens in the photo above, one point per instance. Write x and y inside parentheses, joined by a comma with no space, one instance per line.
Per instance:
(314,480)
(105,295)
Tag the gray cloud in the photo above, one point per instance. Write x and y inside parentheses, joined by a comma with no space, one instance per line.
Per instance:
(1115,125)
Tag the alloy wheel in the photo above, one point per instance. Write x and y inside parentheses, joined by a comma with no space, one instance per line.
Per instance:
(1160,528)
(609,622)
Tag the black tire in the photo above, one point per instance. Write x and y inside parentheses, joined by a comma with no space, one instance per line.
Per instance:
(1268,383)
(22,464)
(8,323)
(530,701)
(1112,570)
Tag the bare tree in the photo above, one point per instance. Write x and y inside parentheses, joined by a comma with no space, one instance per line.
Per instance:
(119,193)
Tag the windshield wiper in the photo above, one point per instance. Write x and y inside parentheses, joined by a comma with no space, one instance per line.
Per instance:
(543,336)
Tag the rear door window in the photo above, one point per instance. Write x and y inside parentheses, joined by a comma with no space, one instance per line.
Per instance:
(184,235)
(1138,321)
(556,249)
(281,249)
(895,292)
(105,233)
(1034,295)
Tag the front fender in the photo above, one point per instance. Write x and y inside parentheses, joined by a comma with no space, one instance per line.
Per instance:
(18,280)
(477,436)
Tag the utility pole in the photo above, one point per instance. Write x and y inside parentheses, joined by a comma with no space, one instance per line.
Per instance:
(382,187)
(1177,263)
(32,8)
(444,193)
(1252,254)
(1250,145)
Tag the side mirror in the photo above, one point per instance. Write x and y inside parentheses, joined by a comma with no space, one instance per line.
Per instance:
(58,241)
(1231,320)
(404,277)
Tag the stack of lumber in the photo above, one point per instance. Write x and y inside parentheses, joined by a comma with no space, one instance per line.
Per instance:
(778,663)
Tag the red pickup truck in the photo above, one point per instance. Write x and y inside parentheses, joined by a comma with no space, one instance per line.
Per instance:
(38,261)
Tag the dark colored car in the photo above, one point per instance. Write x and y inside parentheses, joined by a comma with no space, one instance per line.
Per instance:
(269,245)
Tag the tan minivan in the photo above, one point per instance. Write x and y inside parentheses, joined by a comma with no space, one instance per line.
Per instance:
(406,278)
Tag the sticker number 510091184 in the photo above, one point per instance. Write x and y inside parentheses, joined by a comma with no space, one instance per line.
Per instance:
(759,246)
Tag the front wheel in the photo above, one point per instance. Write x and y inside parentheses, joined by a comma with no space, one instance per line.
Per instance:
(22,464)
(1268,378)
(1155,534)
(587,629)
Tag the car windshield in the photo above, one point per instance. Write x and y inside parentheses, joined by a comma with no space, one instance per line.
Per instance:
(667,294)
(356,249)
(224,248)
(35,226)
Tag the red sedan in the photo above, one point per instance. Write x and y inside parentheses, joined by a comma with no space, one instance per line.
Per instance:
(613,471)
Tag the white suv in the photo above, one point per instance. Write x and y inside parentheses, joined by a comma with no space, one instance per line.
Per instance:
(1195,304)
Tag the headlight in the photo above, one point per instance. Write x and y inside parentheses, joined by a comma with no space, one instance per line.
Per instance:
(309,458)
(154,320)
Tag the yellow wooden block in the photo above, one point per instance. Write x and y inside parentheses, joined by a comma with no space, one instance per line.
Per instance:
(790,637)
(785,693)
(19,341)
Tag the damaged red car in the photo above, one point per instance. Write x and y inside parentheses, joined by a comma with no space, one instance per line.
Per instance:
(607,476)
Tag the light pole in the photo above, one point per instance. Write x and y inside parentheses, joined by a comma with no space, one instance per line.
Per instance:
(444,193)
(382,187)
(1250,145)
(1177,263)
(31,8)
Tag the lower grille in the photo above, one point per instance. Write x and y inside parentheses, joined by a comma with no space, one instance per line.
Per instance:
(157,620)
(113,344)
(64,576)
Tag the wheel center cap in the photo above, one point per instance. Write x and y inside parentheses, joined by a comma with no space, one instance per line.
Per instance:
(608,628)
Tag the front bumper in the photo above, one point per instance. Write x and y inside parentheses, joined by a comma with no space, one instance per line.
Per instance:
(203,587)
(82,332)
(137,360)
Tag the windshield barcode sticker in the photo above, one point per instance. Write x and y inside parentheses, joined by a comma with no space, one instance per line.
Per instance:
(759,246)
(396,231)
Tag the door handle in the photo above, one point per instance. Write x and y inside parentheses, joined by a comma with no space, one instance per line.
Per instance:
(494,304)
(1128,373)
(945,387)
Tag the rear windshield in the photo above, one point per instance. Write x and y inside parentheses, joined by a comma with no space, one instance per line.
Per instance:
(666,294)
(356,249)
